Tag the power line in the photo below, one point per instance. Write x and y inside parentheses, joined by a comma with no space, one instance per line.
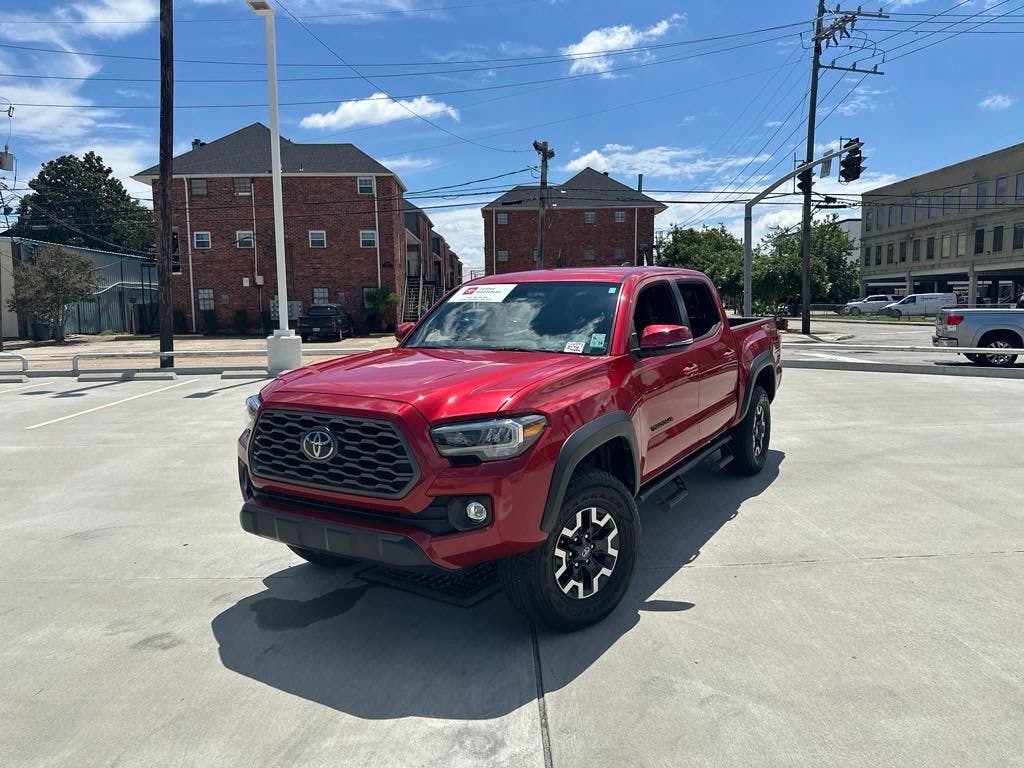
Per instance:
(944,39)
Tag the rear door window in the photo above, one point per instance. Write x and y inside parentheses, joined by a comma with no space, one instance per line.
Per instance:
(701,308)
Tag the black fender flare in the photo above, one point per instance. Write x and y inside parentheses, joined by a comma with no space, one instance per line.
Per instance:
(578,445)
(757,365)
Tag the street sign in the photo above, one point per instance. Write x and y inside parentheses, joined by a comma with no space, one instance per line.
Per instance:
(826,168)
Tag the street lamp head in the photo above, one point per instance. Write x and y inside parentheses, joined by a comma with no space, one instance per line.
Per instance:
(260,7)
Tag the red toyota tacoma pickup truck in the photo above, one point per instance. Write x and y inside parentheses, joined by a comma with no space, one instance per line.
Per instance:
(522,420)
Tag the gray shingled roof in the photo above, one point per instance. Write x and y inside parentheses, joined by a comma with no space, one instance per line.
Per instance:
(587,189)
(246,152)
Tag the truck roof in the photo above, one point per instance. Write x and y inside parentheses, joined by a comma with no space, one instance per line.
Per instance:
(583,274)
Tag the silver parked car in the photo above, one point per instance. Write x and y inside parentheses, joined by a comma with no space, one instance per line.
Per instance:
(992,328)
(869,305)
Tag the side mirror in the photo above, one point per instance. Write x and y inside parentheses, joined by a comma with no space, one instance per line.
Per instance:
(403,330)
(661,336)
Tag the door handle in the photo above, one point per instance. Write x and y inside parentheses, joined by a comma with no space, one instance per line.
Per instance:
(729,353)
(690,369)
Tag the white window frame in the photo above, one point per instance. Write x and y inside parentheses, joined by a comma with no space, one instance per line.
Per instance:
(589,254)
(502,256)
(620,217)
(251,238)
(359,185)
(234,186)
(322,232)
(363,240)
(192,190)
(326,298)
(201,299)
(590,217)
(501,218)
(195,240)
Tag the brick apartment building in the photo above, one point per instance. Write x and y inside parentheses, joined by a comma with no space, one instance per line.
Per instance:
(432,268)
(344,221)
(591,220)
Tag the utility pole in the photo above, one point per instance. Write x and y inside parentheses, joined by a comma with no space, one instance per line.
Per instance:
(166,154)
(545,155)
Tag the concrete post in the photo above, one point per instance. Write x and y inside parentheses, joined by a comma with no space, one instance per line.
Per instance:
(972,287)
(910,284)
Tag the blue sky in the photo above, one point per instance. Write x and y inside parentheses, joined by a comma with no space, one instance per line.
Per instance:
(689,115)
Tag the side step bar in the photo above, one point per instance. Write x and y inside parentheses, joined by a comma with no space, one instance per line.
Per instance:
(673,478)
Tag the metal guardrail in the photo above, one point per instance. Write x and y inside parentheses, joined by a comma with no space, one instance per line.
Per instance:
(15,356)
(901,348)
(76,368)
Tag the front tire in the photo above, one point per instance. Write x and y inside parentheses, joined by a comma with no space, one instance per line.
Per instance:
(581,573)
(751,438)
(855,311)
(323,559)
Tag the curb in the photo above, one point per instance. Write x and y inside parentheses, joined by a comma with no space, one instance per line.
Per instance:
(918,368)
(903,323)
(14,378)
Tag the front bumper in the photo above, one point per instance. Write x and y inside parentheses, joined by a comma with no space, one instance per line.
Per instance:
(941,341)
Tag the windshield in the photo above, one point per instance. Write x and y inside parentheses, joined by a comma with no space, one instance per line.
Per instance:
(573,317)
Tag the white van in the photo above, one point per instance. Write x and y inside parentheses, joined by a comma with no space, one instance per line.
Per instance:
(920,304)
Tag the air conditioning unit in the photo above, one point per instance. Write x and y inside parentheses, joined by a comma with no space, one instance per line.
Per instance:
(259,279)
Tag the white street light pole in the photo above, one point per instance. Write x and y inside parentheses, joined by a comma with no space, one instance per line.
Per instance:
(284,349)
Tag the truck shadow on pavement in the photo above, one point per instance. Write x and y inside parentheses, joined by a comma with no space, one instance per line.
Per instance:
(378,653)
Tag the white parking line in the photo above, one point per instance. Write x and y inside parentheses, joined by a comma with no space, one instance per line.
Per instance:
(838,358)
(25,386)
(110,405)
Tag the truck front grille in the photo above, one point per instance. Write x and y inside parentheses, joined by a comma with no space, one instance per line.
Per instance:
(370,456)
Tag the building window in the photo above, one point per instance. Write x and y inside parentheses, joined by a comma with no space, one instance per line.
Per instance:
(620,255)
(590,217)
(961,244)
(930,249)
(1002,190)
(620,217)
(878,217)
(904,213)
(317,238)
(1018,236)
(982,194)
(1020,186)
(867,222)
(202,240)
(965,198)
(997,238)
(867,256)
(364,185)
(243,238)
(933,206)
(588,254)
(878,255)
(206,302)
(502,255)
(903,251)
(915,250)
(919,208)
(367,238)
(321,295)
(243,186)
(979,241)
(890,251)
(197,187)
(891,218)
(502,218)
(947,246)
(947,203)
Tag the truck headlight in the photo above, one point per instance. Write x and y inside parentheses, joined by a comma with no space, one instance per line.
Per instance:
(491,439)
(252,407)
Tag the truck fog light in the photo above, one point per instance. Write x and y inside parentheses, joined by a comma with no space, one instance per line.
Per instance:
(476,511)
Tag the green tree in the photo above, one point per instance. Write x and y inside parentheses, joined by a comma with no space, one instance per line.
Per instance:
(56,279)
(378,302)
(77,201)
(711,250)
(777,265)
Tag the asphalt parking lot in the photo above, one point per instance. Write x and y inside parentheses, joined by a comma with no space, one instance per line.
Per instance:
(857,604)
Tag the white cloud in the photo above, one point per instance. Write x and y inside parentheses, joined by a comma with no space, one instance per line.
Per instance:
(666,162)
(773,124)
(862,100)
(586,53)
(997,101)
(463,228)
(377,109)
(407,163)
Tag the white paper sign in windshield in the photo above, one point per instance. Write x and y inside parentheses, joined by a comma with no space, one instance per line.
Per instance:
(494,293)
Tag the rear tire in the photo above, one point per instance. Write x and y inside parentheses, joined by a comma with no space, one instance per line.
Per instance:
(581,573)
(751,438)
(322,559)
(1000,341)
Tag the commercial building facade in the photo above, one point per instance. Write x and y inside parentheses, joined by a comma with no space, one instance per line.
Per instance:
(344,223)
(959,228)
(590,220)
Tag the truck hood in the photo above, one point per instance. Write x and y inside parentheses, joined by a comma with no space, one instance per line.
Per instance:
(441,384)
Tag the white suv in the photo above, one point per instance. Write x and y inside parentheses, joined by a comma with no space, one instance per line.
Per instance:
(870,305)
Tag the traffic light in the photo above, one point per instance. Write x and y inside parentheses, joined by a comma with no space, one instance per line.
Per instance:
(852,164)
(806,181)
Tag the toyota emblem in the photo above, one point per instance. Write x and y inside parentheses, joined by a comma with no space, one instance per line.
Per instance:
(318,444)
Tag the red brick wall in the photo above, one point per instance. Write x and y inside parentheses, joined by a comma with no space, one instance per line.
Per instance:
(566,238)
(329,203)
